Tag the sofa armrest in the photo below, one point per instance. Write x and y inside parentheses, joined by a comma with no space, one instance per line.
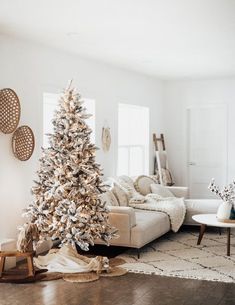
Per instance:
(128,211)
(178,191)
(123,219)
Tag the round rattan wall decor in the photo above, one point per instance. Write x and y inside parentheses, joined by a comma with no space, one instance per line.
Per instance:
(9,110)
(23,143)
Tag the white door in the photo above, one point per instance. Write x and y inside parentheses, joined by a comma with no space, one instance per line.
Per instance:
(207,148)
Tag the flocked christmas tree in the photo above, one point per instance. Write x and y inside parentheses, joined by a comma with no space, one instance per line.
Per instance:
(66,201)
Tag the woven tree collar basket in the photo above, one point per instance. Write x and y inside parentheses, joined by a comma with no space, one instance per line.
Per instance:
(23,143)
(9,110)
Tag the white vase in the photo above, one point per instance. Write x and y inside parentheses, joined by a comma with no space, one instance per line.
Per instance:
(224,210)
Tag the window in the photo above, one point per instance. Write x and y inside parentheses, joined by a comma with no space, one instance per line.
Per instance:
(133,140)
(50,104)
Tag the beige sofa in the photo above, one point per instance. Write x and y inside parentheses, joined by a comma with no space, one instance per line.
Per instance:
(139,227)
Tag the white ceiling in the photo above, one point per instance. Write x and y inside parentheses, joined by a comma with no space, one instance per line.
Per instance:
(165,38)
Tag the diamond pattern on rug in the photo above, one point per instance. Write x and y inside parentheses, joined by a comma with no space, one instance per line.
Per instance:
(220,250)
(178,255)
(188,253)
(174,265)
(214,262)
(141,268)
(147,257)
(203,274)
(228,270)
(182,237)
(206,242)
(172,245)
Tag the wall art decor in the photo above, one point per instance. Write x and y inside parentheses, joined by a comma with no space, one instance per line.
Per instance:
(23,143)
(9,110)
(106,139)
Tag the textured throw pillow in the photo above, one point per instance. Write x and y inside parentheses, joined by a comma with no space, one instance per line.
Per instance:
(112,199)
(126,180)
(109,199)
(161,190)
(142,184)
(121,194)
(128,184)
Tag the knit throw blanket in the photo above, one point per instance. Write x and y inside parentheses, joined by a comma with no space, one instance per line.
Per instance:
(173,207)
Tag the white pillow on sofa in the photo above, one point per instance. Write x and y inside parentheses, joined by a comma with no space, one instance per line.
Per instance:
(142,184)
(121,194)
(108,199)
(161,190)
(126,179)
(126,183)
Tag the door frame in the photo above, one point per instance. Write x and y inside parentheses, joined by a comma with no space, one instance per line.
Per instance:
(214,105)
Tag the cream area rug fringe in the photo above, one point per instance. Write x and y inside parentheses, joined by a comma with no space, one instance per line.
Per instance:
(177,255)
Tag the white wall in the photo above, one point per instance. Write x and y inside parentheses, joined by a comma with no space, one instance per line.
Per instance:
(31,70)
(178,95)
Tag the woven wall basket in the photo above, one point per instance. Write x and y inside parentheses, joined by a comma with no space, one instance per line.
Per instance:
(9,110)
(23,143)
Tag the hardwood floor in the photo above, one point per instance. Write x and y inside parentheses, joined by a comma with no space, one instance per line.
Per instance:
(131,289)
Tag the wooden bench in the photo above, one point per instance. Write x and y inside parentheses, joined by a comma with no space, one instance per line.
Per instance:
(27,255)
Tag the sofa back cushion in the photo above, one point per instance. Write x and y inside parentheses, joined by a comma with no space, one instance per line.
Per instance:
(109,199)
(128,184)
(121,194)
(161,190)
(126,180)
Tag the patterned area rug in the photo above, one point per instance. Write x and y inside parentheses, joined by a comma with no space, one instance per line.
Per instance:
(176,254)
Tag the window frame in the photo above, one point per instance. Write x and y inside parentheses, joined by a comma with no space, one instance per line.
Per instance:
(144,147)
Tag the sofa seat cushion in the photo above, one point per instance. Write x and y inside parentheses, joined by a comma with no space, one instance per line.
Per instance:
(149,226)
(200,206)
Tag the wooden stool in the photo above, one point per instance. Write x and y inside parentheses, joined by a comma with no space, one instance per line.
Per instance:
(27,255)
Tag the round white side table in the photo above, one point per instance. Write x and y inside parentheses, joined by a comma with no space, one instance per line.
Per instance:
(211,220)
